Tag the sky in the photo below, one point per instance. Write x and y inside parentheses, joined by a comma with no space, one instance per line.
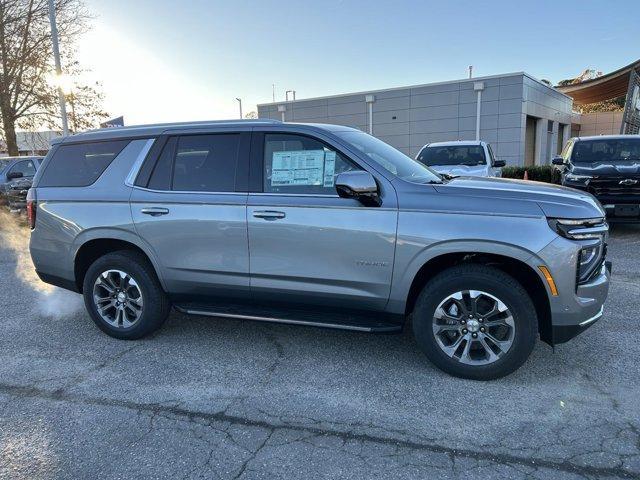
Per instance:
(166,60)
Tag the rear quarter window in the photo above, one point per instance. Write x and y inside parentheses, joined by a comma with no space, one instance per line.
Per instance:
(80,165)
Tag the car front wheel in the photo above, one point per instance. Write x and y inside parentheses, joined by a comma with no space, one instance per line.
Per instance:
(475,321)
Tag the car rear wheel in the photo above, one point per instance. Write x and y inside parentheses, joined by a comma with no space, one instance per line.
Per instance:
(475,321)
(123,295)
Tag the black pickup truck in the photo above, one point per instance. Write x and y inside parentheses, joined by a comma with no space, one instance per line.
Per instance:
(607,166)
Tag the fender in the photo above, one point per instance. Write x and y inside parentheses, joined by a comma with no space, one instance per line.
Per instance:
(403,276)
(116,233)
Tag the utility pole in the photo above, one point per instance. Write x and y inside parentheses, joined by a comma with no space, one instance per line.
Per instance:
(470,71)
(56,57)
(240,105)
(273,92)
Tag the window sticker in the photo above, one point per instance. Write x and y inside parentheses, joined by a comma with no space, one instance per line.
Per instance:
(299,167)
(329,168)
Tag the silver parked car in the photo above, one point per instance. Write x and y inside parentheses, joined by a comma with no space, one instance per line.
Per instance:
(463,158)
(316,225)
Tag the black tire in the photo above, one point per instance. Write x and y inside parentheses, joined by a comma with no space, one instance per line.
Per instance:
(494,282)
(156,305)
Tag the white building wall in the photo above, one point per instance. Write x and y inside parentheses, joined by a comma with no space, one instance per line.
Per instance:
(410,117)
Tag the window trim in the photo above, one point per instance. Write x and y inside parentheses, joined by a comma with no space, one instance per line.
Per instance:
(153,157)
(137,165)
(256,170)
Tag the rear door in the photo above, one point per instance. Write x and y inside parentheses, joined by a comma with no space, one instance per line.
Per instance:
(307,245)
(189,205)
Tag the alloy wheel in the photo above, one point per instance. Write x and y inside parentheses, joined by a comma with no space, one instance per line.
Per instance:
(118,298)
(473,327)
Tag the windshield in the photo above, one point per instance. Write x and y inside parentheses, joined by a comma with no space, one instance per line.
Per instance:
(392,160)
(606,151)
(469,155)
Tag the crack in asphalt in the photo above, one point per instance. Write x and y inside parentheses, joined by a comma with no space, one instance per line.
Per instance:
(195,416)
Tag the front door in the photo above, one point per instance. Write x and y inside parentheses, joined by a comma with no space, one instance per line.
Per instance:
(306,244)
(193,215)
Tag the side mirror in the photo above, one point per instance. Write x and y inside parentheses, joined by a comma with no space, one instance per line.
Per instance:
(359,185)
(557,160)
(499,163)
(12,175)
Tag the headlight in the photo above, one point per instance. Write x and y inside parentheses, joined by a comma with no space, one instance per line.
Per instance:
(591,234)
(589,259)
(572,177)
(579,229)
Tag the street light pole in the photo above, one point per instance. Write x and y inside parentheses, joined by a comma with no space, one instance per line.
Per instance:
(240,105)
(56,57)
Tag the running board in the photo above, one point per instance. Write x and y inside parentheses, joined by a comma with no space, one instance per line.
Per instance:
(354,322)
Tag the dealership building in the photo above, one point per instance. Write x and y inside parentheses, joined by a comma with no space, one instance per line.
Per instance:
(525,120)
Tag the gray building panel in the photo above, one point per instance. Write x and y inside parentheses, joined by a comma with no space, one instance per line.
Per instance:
(387,129)
(508,135)
(434,113)
(395,103)
(303,113)
(335,109)
(409,117)
(434,99)
(509,120)
(435,126)
(392,116)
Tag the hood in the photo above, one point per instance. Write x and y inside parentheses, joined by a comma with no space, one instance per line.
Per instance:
(604,168)
(462,170)
(554,201)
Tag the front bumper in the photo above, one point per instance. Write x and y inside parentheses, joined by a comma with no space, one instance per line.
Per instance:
(574,309)
(589,300)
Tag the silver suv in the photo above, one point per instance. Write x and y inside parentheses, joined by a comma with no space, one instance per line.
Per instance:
(317,225)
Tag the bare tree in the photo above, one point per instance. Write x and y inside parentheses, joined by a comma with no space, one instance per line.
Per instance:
(28,98)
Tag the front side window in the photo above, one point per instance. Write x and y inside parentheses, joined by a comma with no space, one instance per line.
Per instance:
(606,151)
(197,163)
(298,164)
(390,159)
(469,155)
(26,168)
(80,165)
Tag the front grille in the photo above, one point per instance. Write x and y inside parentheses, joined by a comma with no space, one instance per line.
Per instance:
(610,186)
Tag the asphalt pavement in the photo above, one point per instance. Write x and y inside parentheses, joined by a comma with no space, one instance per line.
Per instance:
(220,398)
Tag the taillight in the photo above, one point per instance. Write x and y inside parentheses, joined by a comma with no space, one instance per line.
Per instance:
(32,206)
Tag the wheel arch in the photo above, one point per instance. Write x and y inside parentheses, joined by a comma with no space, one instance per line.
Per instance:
(511,262)
(96,243)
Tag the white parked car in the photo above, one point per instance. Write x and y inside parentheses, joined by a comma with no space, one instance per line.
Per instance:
(463,158)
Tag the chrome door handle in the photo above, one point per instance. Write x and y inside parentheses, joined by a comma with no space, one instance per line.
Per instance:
(155,211)
(269,214)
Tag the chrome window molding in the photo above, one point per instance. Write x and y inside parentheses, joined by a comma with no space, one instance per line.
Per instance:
(281,194)
(135,169)
(192,192)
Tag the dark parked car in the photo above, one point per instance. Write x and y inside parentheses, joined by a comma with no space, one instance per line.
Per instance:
(16,174)
(608,167)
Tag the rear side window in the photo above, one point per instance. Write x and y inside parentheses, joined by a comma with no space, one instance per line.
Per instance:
(81,164)
(197,163)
